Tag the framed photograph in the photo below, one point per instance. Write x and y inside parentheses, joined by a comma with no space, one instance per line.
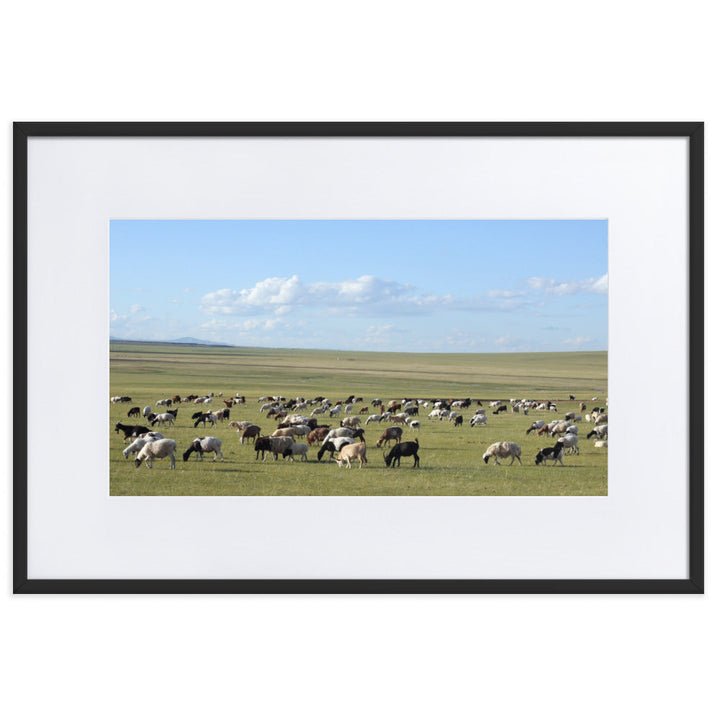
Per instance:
(358,357)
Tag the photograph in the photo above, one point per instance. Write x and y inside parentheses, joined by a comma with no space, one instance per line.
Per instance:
(356,357)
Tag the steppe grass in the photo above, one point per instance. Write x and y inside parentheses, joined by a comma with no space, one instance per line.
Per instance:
(450,458)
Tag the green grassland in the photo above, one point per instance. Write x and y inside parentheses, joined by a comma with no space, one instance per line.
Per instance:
(450,457)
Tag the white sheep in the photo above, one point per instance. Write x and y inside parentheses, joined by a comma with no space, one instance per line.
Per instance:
(146,410)
(296,449)
(570,443)
(503,450)
(205,445)
(601,443)
(155,450)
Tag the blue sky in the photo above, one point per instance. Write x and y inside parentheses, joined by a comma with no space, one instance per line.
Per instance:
(388,285)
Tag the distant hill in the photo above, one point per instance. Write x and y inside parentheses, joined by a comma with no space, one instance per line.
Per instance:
(195,341)
(179,341)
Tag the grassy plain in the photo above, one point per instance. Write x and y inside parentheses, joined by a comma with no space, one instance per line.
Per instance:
(450,458)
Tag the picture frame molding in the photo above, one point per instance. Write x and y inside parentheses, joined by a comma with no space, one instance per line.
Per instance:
(693,131)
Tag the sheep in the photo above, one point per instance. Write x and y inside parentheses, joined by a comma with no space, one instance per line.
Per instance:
(391,433)
(346,432)
(239,425)
(202,445)
(278,445)
(601,431)
(146,410)
(555,452)
(333,445)
(400,450)
(478,419)
(373,418)
(601,419)
(136,445)
(164,418)
(503,450)
(296,449)
(601,443)
(415,425)
(535,426)
(134,411)
(155,450)
(499,409)
(570,443)
(356,451)
(570,416)
(559,428)
(458,420)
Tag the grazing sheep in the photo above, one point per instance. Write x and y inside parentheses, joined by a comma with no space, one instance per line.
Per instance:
(458,420)
(503,450)
(415,425)
(201,417)
(146,411)
(239,425)
(155,450)
(136,446)
(601,443)
(356,451)
(535,426)
(478,419)
(570,443)
(296,449)
(134,411)
(333,445)
(202,445)
(373,418)
(164,418)
(601,431)
(559,428)
(499,409)
(601,419)
(570,416)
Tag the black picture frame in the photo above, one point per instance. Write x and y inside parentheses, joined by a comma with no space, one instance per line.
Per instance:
(692,131)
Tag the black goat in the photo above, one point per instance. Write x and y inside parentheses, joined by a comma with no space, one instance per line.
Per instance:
(550,453)
(134,411)
(499,409)
(403,449)
(131,430)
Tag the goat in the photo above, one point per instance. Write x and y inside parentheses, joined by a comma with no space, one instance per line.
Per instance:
(400,450)
(131,430)
(134,411)
(391,433)
(555,453)
(251,431)
(355,451)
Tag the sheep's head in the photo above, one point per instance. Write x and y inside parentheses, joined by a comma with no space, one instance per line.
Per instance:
(486,457)
(137,462)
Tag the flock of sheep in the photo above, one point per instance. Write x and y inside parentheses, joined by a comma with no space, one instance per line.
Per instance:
(297,420)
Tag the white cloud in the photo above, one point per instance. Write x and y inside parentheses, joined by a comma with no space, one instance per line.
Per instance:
(576,342)
(598,286)
(363,296)
(505,293)
(136,309)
